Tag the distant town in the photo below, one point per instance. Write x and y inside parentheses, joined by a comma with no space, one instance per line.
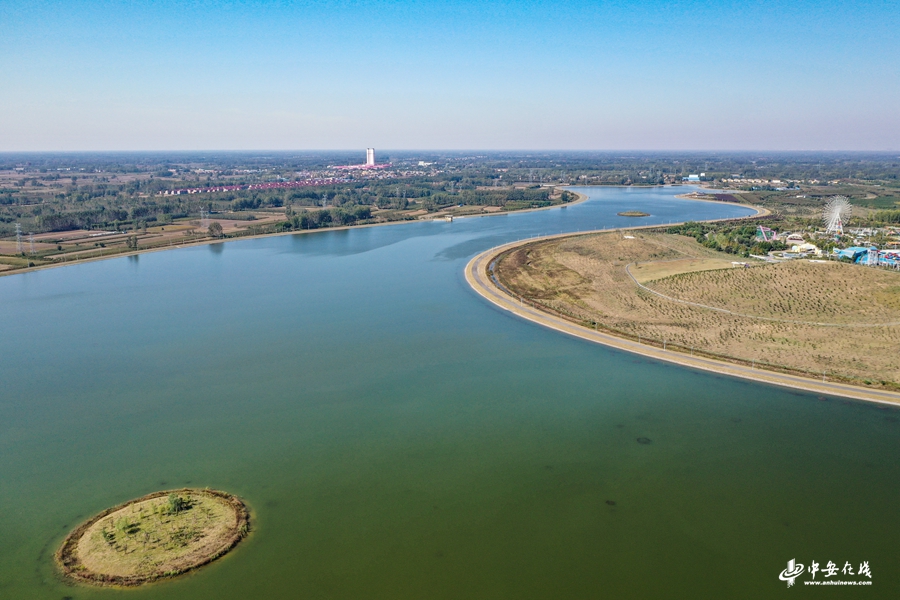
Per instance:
(70,206)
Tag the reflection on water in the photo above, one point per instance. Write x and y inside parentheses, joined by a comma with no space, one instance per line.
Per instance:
(398,437)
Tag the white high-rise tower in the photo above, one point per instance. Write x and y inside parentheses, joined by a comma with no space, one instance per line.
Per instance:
(370,157)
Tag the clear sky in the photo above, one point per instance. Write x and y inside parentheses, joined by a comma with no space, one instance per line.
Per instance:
(458,74)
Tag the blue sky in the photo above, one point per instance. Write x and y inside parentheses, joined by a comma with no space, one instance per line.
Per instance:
(160,75)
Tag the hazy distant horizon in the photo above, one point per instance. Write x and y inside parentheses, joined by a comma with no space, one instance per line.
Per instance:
(220,75)
(513,151)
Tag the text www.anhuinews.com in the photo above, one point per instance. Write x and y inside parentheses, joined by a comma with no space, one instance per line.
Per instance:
(837,582)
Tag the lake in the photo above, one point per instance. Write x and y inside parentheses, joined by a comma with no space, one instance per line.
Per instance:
(396,436)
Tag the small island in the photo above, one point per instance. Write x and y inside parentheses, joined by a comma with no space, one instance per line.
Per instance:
(160,535)
(633,213)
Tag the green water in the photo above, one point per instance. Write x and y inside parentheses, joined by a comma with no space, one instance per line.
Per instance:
(398,437)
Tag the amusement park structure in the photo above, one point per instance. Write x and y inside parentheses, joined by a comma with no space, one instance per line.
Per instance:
(764,234)
(836,212)
(872,257)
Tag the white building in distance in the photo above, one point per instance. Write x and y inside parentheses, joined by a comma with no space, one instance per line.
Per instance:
(370,157)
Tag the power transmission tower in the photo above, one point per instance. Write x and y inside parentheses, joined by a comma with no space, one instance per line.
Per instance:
(18,239)
(31,241)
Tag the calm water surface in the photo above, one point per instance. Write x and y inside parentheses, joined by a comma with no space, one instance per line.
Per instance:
(398,437)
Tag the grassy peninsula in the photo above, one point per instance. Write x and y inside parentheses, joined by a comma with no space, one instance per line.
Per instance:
(822,319)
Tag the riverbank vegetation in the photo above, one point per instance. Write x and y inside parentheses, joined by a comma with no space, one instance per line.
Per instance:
(70,207)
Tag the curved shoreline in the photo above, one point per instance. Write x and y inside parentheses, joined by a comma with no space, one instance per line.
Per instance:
(477,276)
(581,198)
(207,242)
(68,562)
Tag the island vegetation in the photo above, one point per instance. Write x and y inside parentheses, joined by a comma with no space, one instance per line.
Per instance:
(160,535)
(633,213)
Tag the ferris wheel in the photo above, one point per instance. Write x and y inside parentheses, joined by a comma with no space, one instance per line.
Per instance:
(836,212)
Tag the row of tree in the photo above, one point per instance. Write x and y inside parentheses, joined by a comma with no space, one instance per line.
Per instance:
(732,239)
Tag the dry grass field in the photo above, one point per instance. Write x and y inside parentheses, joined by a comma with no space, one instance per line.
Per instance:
(836,318)
(649,271)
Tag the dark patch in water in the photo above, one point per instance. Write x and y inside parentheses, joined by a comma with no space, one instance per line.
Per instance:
(620,426)
(548,467)
(822,399)
(467,248)
(891,419)
(643,440)
(736,420)
(439,554)
(163,482)
(271,503)
(611,502)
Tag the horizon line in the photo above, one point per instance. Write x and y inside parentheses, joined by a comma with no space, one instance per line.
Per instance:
(489,150)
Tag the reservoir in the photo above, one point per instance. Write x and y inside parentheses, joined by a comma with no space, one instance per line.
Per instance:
(396,436)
